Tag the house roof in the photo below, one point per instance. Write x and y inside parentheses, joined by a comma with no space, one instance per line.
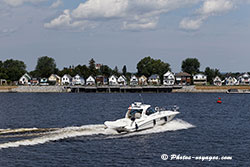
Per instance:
(133,77)
(122,77)
(183,74)
(27,76)
(217,78)
(168,73)
(67,75)
(154,76)
(113,76)
(90,78)
(54,75)
(199,74)
(246,75)
(143,76)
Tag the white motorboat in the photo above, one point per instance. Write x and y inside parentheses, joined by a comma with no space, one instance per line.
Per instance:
(142,116)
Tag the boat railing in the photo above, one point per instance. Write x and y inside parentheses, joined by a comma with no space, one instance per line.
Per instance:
(171,108)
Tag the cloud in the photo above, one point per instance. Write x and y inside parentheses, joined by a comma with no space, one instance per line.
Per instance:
(208,8)
(64,21)
(56,4)
(7,31)
(16,3)
(191,24)
(211,7)
(130,14)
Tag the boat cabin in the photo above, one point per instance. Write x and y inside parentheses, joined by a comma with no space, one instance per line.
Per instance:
(138,110)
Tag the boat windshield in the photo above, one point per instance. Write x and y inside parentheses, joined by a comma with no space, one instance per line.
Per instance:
(135,113)
(150,111)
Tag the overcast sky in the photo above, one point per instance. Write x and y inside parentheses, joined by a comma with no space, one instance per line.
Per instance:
(118,32)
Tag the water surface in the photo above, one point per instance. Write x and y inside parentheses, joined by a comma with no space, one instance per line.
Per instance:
(60,129)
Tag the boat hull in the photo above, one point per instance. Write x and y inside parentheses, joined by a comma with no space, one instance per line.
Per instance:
(157,119)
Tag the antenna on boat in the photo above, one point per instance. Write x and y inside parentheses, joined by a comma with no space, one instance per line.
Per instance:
(141,98)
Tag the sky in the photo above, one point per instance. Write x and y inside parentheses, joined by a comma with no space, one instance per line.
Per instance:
(122,32)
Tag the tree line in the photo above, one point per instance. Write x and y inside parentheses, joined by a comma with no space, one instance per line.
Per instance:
(12,70)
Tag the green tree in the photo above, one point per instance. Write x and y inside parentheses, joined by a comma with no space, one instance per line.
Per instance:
(115,71)
(92,68)
(68,71)
(45,66)
(14,69)
(105,70)
(124,70)
(148,66)
(211,74)
(191,65)
(82,70)
(3,74)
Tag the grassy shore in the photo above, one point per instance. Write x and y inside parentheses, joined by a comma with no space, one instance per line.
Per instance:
(7,87)
(221,87)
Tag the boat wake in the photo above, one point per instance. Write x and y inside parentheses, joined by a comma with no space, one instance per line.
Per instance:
(54,134)
(25,130)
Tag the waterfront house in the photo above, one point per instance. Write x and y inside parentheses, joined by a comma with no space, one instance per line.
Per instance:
(34,82)
(143,80)
(133,80)
(3,82)
(101,80)
(78,80)
(244,79)
(200,79)
(54,79)
(230,81)
(113,80)
(66,79)
(44,82)
(183,78)
(25,79)
(168,78)
(217,81)
(90,81)
(122,80)
(154,79)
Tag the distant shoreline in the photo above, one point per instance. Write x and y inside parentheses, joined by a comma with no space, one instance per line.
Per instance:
(112,89)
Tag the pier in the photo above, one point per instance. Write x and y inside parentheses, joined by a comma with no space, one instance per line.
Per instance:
(122,89)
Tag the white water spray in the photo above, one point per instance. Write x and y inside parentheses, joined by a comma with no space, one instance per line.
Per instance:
(88,130)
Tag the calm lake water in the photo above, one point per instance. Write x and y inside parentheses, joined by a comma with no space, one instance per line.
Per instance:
(50,129)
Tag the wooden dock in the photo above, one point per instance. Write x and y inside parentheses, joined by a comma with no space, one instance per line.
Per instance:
(122,89)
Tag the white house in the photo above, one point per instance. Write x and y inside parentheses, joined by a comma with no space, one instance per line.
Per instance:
(200,79)
(154,79)
(168,78)
(244,79)
(25,79)
(78,80)
(230,81)
(133,80)
(122,80)
(90,81)
(113,80)
(217,81)
(66,79)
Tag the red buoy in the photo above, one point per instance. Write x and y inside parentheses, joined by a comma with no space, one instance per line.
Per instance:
(219,100)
